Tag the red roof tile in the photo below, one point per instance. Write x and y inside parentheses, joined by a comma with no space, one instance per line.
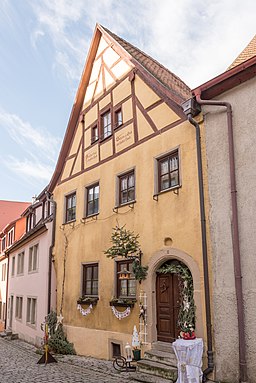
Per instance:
(246,54)
(10,211)
(180,91)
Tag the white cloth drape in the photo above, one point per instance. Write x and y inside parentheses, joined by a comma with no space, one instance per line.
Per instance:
(189,356)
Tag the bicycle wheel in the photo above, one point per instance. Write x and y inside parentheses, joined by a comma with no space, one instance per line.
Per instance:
(119,363)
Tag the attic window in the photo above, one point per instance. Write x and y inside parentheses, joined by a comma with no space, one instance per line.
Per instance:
(95,135)
(106,126)
(118,118)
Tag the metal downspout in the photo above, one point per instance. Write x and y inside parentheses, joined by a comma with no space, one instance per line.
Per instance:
(235,236)
(209,369)
(50,200)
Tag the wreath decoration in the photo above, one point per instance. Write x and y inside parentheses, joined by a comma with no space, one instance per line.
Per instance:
(187,312)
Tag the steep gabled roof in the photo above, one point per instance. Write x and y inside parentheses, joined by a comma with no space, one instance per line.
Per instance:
(174,88)
(180,90)
(248,52)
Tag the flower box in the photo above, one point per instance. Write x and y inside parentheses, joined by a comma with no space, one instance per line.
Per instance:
(87,300)
(123,302)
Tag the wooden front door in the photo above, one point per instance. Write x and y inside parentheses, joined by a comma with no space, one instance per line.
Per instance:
(168,304)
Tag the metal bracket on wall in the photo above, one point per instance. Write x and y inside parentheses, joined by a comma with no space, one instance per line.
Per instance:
(155,197)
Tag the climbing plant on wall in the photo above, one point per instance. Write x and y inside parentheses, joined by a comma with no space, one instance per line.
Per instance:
(187,312)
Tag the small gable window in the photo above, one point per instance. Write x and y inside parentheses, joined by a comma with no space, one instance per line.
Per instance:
(95,135)
(118,118)
(106,126)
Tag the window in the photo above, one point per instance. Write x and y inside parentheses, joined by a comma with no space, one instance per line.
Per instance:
(70,207)
(13,266)
(31,310)
(3,243)
(126,287)
(95,135)
(126,188)
(118,118)
(10,237)
(18,309)
(90,279)
(3,271)
(33,258)
(92,206)
(168,171)
(106,125)
(20,266)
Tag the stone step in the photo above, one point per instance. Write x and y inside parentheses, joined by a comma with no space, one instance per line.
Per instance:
(14,336)
(147,378)
(157,369)
(167,358)
(162,346)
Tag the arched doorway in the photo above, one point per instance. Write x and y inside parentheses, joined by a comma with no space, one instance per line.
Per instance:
(172,306)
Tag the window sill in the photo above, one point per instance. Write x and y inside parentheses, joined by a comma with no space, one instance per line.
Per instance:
(91,216)
(88,301)
(66,223)
(130,203)
(123,302)
(103,139)
(167,190)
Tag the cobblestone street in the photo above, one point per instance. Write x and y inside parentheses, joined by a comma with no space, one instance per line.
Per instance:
(18,364)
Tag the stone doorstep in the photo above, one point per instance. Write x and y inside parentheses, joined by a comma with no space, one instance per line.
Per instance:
(147,378)
(162,346)
(167,358)
(157,369)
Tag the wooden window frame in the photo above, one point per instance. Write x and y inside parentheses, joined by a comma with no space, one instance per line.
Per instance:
(88,188)
(128,265)
(160,160)
(120,178)
(67,210)
(103,113)
(85,267)
(94,137)
(117,124)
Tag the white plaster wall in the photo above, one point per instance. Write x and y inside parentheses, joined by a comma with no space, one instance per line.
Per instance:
(3,285)
(33,285)
(243,101)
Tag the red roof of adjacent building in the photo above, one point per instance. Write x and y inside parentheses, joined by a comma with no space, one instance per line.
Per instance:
(10,211)
(248,52)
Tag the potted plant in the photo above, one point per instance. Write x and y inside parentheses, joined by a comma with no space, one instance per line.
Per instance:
(123,302)
(187,331)
(136,344)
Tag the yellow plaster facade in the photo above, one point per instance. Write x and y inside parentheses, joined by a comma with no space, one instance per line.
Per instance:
(155,215)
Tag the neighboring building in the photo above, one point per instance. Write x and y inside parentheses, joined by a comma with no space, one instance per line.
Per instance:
(12,227)
(128,158)
(232,187)
(31,287)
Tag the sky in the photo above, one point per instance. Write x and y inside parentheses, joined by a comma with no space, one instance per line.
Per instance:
(43,48)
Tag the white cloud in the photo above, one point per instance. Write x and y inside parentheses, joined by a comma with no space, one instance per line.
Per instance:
(30,170)
(29,138)
(195,39)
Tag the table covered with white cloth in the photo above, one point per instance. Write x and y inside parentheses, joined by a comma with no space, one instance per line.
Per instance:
(189,357)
